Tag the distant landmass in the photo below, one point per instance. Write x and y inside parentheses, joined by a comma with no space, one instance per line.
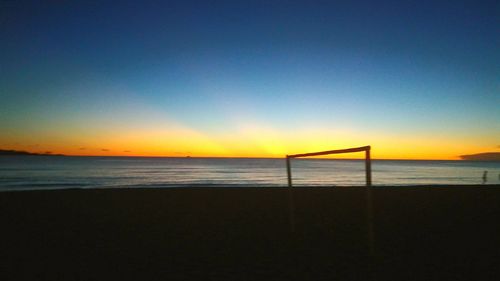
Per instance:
(20,152)
(487,156)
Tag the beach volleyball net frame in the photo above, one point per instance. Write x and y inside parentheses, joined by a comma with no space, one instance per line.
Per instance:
(366,149)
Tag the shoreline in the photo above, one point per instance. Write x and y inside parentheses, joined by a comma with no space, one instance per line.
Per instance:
(237,187)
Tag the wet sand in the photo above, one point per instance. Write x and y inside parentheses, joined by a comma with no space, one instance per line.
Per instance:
(408,233)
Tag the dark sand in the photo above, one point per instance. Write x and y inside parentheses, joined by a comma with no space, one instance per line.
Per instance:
(419,233)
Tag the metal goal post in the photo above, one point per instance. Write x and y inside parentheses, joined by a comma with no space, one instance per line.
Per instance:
(366,149)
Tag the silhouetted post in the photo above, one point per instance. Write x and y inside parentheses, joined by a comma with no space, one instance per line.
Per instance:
(291,200)
(368,163)
(288,171)
(369,202)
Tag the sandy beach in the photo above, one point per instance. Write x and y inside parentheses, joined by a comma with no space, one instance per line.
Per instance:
(408,233)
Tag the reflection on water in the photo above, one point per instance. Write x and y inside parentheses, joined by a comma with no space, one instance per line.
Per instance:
(45,172)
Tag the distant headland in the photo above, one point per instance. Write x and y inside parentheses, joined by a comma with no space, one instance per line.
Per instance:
(5,152)
(487,156)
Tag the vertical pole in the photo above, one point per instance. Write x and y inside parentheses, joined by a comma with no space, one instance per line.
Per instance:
(288,171)
(369,203)
(368,168)
(291,201)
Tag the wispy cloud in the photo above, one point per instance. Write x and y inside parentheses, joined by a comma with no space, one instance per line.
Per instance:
(104,149)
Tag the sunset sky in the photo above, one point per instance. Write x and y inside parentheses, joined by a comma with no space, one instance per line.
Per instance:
(413,79)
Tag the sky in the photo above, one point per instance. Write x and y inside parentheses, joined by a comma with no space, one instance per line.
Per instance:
(413,79)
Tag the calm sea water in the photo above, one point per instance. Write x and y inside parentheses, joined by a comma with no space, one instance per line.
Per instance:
(46,172)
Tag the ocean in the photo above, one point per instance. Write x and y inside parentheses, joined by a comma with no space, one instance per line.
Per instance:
(59,172)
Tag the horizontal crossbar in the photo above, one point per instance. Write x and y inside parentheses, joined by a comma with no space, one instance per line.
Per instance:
(349,150)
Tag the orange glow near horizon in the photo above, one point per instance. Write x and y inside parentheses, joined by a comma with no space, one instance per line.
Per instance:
(249,141)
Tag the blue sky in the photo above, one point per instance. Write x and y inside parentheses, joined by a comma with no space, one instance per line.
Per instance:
(395,69)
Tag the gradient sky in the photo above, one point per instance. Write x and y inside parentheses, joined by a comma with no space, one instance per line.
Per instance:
(414,79)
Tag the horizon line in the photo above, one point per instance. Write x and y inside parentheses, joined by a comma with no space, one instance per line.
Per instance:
(244,157)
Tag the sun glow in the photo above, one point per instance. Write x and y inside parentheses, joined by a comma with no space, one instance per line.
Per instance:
(251,140)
